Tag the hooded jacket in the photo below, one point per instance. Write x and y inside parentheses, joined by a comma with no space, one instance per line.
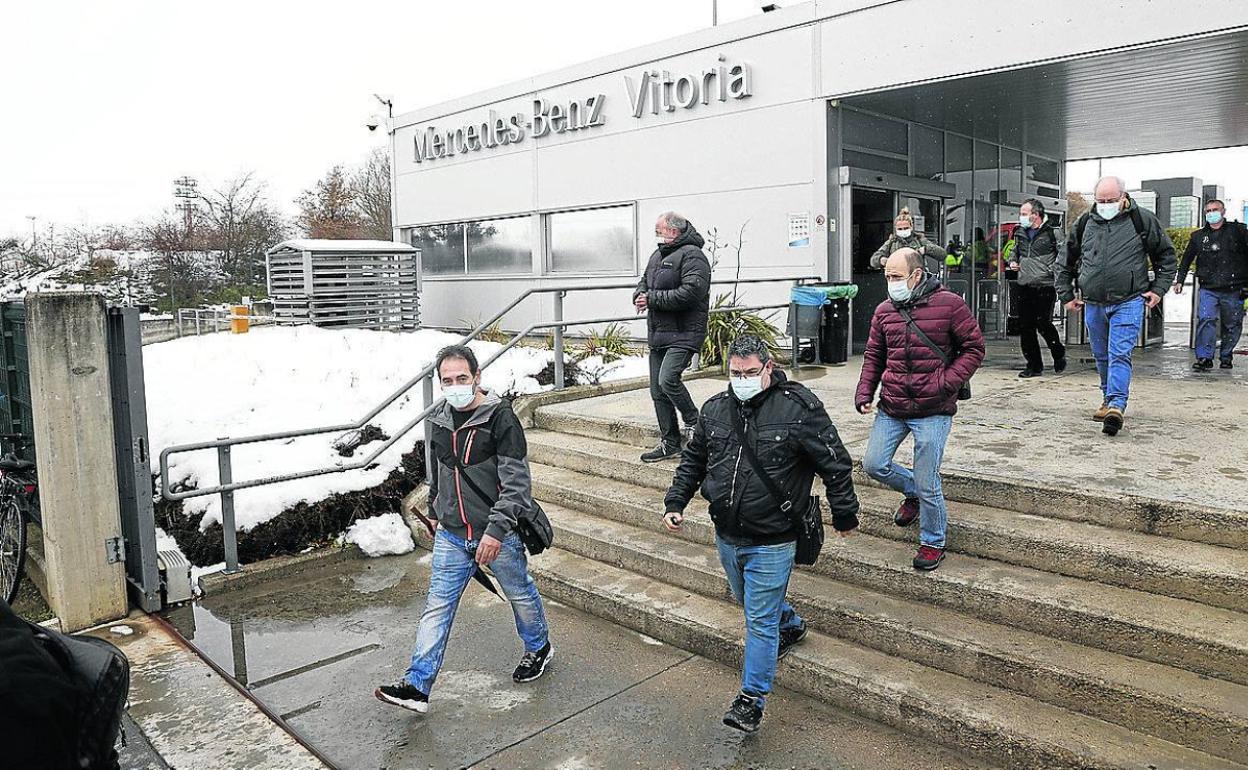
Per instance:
(1112,261)
(1036,256)
(912,379)
(677,285)
(492,448)
(793,438)
(933,255)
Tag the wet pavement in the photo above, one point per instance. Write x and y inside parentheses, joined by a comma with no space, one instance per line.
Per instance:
(313,647)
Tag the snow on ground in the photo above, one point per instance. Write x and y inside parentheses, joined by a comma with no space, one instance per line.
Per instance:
(595,371)
(277,379)
(383,535)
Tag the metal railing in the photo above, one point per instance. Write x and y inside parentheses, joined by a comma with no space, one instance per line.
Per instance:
(216,317)
(226,486)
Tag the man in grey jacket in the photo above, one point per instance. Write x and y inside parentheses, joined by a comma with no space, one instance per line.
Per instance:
(1035,258)
(1120,261)
(479,488)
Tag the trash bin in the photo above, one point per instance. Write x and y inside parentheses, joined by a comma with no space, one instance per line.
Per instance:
(804,316)
(239,320)
(834,329)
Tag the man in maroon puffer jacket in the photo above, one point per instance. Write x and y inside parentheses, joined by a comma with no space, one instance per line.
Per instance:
(918,391)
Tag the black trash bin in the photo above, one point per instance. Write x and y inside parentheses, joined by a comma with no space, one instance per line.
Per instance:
(834,332)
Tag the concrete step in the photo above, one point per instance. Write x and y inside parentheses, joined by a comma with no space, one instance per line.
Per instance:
(1166,518)
(1176,705)
(1178,632)
(1209,574)
(1001,726)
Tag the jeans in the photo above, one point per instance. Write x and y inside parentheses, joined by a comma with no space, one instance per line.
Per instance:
(669,393)
(1035,313)
(1113,331)
(1214,306)
(759,576)
(930,435)
(453,567)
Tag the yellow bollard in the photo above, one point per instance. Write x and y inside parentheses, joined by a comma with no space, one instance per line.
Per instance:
(239,322)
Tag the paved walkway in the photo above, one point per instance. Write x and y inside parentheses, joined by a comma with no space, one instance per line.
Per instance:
(313,647)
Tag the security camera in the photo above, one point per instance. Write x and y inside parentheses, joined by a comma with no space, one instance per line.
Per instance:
(374,120)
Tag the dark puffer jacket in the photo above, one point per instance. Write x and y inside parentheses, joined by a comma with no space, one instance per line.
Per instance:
(1223,262)
(913,380)
(677,285)
(793,438)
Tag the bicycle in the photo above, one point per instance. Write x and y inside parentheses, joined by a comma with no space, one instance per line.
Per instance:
(19,501)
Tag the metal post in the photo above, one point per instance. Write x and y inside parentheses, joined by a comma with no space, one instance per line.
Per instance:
(227,510)
(426,390)
(793,364)
(196,323)
(559,384)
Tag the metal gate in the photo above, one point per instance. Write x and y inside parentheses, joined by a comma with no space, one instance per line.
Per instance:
(15,411)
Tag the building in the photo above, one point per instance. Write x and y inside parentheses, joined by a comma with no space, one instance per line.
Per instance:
(1179,201)
(807,128)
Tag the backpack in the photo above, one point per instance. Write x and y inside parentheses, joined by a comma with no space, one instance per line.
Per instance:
(1074,250)
(100,674)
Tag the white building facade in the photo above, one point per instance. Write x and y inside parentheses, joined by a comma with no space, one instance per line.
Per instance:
(800,132)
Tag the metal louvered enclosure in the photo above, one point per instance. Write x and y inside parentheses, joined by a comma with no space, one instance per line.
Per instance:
(365,284)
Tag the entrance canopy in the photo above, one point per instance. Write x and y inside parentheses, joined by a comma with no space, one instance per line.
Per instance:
(1190,94)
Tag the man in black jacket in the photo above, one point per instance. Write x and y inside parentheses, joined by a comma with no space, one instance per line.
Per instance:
(790,433)
(674,292)
(1222,269)
(1035,257)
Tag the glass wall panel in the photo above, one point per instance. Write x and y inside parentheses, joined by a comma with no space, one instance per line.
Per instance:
(441,248)
(1185,211)
(1147,199)
(1011,170)
(987,165)
(592,241)
(874,162)
(1043,175)
(500,246)
(873,132)
(927,152)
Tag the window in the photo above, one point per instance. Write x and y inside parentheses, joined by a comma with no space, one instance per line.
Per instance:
(1147,199)
(1185,211)
(441,248)
(874,162)
(927,152)
(1042,176)
(592,241)
(986,165)
(1011,170)
(869,132)
(500,246)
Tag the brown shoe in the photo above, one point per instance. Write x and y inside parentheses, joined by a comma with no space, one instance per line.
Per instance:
(1113,422)
(1099,414)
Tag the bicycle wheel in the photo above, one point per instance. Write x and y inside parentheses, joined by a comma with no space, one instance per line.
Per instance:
(12,548)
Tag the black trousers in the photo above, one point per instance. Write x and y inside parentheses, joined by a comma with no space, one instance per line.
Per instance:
(669,393)
(1035,314)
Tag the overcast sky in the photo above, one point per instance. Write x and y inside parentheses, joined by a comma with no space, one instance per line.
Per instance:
(104,102)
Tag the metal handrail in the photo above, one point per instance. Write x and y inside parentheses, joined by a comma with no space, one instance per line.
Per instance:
(227,486)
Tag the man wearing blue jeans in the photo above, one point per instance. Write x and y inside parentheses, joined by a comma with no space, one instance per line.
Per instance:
(1120,261)
(788,431)
(479,488)
(1220,250)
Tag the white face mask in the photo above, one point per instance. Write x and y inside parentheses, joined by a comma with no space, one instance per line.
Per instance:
(1024,221)
(905,233)
(1108,210)
(745,388)
(459,396)
(899,291)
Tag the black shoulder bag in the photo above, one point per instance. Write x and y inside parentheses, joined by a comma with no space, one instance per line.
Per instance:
(534,528)
(964,392)
(808,522)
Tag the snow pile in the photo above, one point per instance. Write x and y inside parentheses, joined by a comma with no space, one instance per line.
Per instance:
(384,535)
(594,371)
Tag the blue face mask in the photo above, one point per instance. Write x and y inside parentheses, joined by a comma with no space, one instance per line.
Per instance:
(899,291)
(745,388)
(459,396)
(1213,217)
(1108,210)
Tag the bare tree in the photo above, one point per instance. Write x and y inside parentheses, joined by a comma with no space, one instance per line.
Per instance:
(167,235)
(1077,205)
(370,186)
(225,212)
(329,209)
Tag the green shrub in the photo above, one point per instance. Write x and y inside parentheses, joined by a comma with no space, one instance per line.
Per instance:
(611,343)
(1180,236)
(723,328)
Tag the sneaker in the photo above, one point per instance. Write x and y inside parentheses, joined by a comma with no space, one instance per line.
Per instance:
(1112,422)
(907,512)
(745,714)
(1099,414)
(1059,363)
(533,664)
(1226,363)
(1202,365)
(789,638)
(660,453)
(1029,372)
(928,557)
(404,696)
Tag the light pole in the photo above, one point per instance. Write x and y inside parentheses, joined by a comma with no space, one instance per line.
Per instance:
(34,236)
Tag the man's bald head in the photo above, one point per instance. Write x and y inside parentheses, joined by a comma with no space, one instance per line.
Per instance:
(903,262)
(1109,189)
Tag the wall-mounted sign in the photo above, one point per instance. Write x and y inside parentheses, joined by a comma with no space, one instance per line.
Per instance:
(799,230)
(655,91)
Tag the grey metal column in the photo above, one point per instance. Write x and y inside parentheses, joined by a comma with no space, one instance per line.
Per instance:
(426,391)
(227,509)
(559,341)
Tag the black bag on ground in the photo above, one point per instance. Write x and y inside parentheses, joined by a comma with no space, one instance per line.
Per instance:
(807,518)
(964,392)
(97,675)
(534,527)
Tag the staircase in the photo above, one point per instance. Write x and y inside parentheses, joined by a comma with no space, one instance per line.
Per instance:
(1055,635)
